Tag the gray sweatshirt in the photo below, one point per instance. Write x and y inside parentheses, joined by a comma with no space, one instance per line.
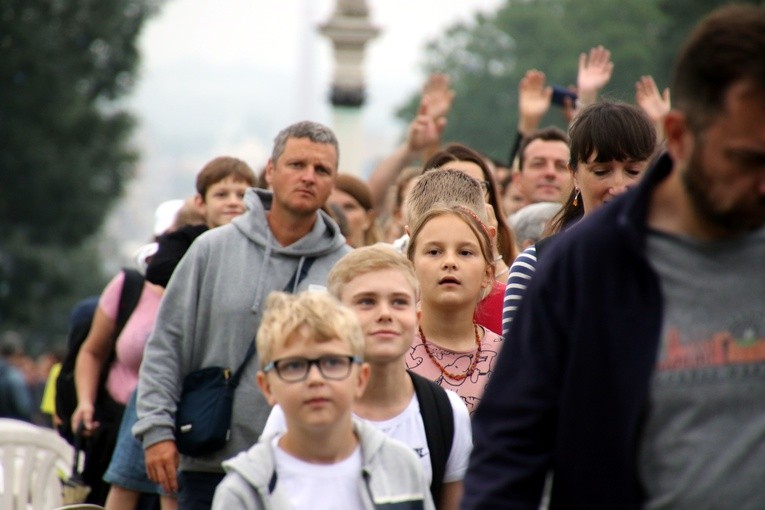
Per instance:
(392,477)
(210,312)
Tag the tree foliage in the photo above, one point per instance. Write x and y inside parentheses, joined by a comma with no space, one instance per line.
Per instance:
(487,57)
(65,155)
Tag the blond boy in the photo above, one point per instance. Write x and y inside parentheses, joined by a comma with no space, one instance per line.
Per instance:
(380,286)
(310,352)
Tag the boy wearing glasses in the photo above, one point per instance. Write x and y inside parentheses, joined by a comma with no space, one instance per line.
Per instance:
(379,285)
(310,349)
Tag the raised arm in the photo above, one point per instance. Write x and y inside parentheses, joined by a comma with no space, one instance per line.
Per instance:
(422,138)
(656,105)
(534,99)
(595,72)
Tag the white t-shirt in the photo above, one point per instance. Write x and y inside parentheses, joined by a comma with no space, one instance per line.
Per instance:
(409,428)
(319,486)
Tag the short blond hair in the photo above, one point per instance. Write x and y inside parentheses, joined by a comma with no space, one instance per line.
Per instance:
(368,259)
(325,317)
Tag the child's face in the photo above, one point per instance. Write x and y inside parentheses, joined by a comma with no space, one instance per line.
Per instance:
(316,402)
(224,201)
(449,264)
(385,304)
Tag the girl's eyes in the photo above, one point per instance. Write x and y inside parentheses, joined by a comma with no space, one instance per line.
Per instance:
(466,252)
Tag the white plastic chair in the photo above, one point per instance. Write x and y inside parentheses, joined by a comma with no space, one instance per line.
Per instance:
(30,458)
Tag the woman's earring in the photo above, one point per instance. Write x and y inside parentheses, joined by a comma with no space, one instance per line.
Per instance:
(576,198)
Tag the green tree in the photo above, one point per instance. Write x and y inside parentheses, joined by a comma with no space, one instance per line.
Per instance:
(488,56)
(65,155)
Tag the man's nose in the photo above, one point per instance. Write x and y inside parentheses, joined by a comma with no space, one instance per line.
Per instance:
(309,174)
(550,170)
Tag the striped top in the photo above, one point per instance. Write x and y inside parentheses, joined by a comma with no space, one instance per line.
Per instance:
(523,268)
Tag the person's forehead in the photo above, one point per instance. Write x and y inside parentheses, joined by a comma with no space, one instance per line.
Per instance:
(389,280)
(306,340)
(341,197)
(229,180)
(547,148)
(304,147)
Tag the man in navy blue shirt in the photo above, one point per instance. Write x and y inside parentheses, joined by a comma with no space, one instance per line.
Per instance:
(632,376)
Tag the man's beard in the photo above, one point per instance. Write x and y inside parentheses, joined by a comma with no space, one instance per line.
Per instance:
(736,219)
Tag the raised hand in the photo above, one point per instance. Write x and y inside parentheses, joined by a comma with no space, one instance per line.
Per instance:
(595,72)
(656,105)
(437,95)
(533,100)
(424,130)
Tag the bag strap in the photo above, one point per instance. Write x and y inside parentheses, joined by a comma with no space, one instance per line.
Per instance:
(298,276)
(132,287)
(438,418)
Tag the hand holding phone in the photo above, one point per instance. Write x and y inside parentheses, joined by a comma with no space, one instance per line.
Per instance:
(560,93)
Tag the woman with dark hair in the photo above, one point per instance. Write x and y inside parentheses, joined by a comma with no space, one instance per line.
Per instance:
(459,157)
(611,145)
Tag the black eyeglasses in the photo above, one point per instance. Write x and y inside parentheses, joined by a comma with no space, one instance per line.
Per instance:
(334,367)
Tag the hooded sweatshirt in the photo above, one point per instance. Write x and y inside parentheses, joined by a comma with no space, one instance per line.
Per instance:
(210,313)
(391,478)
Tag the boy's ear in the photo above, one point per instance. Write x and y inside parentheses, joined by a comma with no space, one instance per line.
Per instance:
(200,205)
(265,387)
(363,379)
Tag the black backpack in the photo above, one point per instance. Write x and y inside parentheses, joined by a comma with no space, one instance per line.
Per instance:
(438,418)
(66,393)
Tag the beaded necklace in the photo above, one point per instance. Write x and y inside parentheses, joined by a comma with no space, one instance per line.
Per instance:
(473,362)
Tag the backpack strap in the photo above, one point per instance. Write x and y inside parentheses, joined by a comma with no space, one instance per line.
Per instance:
(438,418)
(132,287)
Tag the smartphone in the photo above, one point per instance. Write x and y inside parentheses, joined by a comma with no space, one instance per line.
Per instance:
(560,93)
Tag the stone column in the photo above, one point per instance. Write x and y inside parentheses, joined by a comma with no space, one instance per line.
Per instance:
(349,29)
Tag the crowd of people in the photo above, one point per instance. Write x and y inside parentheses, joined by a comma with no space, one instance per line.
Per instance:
(580,326)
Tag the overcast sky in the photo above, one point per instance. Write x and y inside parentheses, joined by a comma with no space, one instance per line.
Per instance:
(223,77)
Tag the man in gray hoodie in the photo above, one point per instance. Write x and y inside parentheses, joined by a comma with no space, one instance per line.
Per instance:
(213,302)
